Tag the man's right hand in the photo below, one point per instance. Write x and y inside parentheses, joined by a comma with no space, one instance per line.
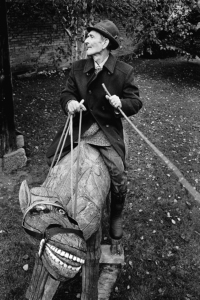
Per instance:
(75,106)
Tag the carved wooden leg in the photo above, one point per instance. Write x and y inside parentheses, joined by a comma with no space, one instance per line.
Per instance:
(90,271)
(42,285)
(50,288)
(107,280)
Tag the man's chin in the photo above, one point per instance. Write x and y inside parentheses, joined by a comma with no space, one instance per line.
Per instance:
(89,53)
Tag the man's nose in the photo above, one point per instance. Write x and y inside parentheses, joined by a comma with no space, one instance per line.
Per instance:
(86,41)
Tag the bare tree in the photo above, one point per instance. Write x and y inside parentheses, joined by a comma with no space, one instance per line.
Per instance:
(7,124)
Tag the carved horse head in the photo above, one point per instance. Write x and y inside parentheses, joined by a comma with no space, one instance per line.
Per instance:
(58,237)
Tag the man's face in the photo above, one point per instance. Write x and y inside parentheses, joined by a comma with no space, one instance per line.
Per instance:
(95,43)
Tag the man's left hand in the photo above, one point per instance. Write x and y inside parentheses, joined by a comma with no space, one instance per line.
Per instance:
(114,101)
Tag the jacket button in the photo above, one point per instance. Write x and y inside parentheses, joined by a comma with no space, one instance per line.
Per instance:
(90,92)
(107,125)
(87,74)
(108,73)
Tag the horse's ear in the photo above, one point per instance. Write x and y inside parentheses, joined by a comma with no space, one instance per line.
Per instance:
(24,196)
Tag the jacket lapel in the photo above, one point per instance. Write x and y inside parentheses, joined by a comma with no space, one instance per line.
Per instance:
(110,63)
(89,68)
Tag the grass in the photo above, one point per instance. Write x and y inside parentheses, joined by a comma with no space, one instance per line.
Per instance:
(161,219)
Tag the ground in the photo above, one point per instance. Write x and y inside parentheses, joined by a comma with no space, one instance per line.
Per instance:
(161,218)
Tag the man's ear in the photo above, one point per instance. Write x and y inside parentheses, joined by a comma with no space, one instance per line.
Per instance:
(24,196)
(106,42)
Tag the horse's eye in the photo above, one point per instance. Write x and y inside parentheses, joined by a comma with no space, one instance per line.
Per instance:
(61,211)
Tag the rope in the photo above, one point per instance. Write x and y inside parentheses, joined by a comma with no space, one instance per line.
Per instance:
(77,168)
(170,165)
(52,163)
(72,158)
(66,131)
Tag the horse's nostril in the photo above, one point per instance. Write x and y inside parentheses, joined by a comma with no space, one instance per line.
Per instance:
(46,210)
(37,210)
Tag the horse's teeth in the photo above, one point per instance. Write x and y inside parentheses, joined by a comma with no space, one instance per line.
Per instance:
(53,248)
(50,253)
(76,269)
(47,249)
(64,254)
(56,259)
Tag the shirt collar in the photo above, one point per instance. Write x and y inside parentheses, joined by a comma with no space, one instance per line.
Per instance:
(100,66)
(109,64)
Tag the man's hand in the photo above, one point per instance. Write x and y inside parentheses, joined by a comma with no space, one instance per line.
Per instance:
(75,106)
(114,101)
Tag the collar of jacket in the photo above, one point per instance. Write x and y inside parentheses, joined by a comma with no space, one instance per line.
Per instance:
(110,64)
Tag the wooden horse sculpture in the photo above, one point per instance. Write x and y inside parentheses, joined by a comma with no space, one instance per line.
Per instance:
(66,245)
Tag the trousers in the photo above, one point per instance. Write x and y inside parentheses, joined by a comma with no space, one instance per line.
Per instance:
(116,169)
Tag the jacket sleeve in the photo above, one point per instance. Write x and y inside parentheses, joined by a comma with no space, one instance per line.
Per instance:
(130,100)
(70,92)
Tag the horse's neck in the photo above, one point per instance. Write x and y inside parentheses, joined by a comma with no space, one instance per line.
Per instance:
(93,184)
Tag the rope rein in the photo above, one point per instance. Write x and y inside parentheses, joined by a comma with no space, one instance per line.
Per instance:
(68,129)
(77,168)
(72,158)
(58,147)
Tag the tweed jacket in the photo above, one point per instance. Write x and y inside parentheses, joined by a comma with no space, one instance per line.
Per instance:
(83,83)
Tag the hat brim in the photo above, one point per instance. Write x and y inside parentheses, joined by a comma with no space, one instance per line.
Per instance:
(113,43)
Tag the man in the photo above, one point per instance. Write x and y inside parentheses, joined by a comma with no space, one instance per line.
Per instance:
(101,121)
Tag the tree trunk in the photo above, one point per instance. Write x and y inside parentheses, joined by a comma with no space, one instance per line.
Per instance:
(7,125)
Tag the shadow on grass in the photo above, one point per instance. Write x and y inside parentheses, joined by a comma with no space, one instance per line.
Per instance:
(181,72)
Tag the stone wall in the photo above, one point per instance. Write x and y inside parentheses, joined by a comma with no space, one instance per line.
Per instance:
(36,44)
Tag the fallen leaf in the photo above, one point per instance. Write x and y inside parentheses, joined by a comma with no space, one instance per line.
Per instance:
(25,267)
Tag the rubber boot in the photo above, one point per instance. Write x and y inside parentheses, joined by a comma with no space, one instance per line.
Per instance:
(116,208)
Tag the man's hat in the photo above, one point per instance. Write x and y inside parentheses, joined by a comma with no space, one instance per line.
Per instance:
(109,30)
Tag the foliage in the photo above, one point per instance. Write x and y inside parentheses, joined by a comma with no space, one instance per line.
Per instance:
(153,25)
(163,24)
(30,11)
(73,15)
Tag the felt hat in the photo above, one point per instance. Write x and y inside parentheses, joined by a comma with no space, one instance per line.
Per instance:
(109,30)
